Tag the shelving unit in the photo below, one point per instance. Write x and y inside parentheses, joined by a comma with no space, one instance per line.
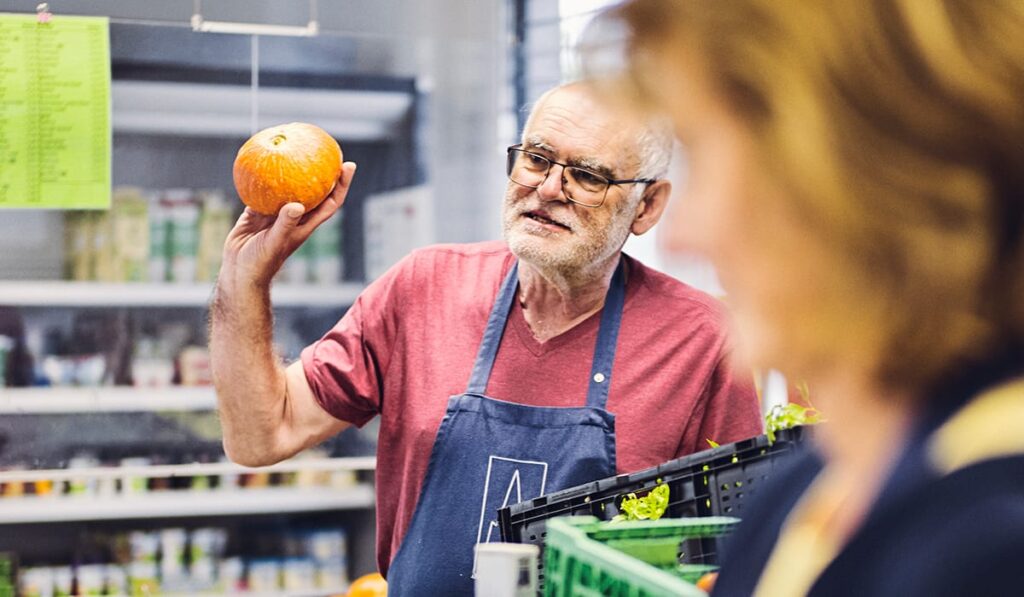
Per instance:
(180,106)
(56,293)
(61,400)
(185,503)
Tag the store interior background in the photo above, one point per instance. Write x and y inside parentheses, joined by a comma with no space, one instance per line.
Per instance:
(425,95)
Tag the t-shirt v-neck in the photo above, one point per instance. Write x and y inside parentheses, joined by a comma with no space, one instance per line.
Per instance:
(517,321)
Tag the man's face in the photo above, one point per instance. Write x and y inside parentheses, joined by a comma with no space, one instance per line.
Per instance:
(541,226)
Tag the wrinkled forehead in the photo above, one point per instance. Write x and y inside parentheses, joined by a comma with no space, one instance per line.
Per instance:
(571,125)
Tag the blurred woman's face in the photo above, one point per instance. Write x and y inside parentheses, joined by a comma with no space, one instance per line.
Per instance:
(729,211)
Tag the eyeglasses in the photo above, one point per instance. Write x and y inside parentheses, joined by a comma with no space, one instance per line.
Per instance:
(582,186)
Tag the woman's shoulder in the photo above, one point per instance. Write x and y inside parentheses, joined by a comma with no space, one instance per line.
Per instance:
(955,534)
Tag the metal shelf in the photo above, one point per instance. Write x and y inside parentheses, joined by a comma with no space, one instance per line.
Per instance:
(57,293)
(59,400)
(184,503)
(181,504)
(219,110)
(351,463)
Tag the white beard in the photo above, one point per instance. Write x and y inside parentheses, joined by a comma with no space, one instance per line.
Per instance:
(586,246)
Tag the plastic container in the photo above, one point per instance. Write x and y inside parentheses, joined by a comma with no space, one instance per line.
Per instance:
(83,486)
(144,546)
(710,483)
(116,580)
(172,557)
(143,578)
(329,550)
(195,367)
(228,481)
(159,254)
(77,246)
(215,223)
(331,575)
(231,575)
(129,229)
(36,582)
(265,575)
(134,484)
(91,579)
(505,570)
(182,235)
(206,546)
(585,556)
(327,544)
(299,574)
(63,581)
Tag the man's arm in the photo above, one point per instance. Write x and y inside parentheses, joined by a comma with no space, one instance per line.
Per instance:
(268,412)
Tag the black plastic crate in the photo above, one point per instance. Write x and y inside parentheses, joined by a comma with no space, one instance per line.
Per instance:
(716,482)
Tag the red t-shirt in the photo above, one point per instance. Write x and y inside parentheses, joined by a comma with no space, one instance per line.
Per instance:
(409,342)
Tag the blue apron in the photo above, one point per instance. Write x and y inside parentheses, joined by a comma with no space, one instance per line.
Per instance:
(489,453)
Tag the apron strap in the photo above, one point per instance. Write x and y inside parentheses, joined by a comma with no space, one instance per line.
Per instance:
(607,337)
(604,350)
(493,332)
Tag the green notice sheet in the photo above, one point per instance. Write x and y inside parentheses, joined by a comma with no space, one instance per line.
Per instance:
(54,112)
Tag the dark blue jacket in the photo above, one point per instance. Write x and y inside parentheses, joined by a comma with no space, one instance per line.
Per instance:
(927,535)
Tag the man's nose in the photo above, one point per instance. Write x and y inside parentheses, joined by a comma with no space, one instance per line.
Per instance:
(552,188)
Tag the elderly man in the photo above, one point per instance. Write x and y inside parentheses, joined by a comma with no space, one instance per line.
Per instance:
(500,370)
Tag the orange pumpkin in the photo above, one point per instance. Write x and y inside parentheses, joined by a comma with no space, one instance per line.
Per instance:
(296,162)
(370,585)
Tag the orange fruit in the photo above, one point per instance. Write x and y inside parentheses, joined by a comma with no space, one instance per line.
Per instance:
(707,582)
(295,162)
(369,585)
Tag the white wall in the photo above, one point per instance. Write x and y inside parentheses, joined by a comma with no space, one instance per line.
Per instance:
(461,61)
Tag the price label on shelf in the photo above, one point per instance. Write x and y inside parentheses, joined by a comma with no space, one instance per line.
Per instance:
(54,112)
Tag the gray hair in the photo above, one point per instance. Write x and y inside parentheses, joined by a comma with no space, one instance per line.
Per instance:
(655,148)
(654,145)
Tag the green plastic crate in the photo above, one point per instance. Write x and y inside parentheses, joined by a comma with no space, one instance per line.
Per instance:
(585,557)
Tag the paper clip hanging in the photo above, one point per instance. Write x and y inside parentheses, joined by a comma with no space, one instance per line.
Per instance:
(43,14)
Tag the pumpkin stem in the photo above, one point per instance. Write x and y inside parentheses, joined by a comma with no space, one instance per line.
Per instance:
(276,139)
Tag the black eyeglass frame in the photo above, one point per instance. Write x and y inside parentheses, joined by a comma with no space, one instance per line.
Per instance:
(518,147)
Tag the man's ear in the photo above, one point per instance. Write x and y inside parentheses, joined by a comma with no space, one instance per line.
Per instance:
(651,206)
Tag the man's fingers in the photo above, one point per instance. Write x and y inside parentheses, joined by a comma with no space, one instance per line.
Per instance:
(348,172)
(320,214)
(334,200)
(288,219)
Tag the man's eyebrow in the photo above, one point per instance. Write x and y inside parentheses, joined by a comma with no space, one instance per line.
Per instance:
(538,143)
(587,163)
(592,165)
